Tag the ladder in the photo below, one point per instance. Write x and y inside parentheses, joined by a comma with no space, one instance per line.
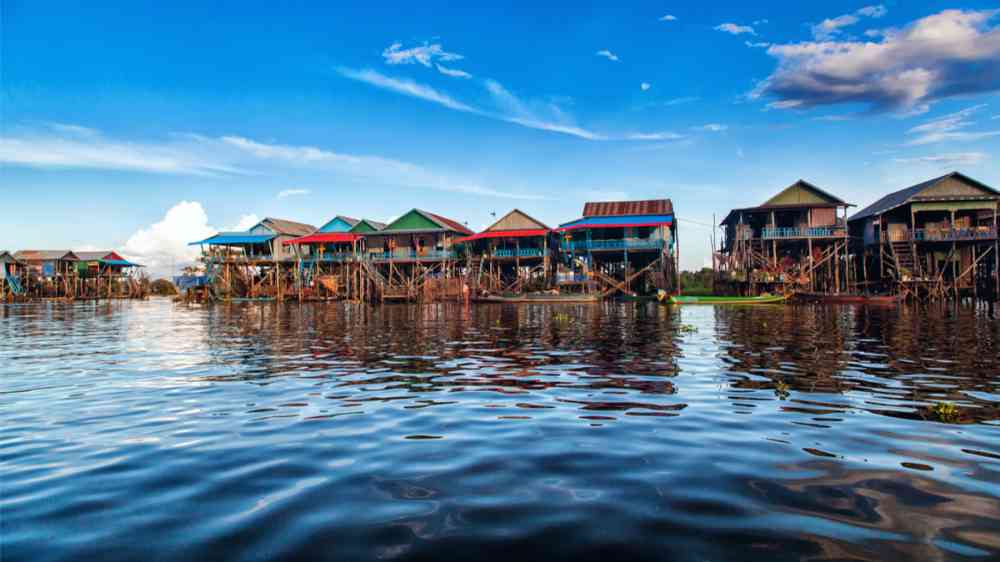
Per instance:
(14,284)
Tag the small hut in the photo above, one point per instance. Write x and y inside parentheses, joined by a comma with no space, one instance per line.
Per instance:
(510,256)
(935,239)
(326,258)
(106,274)
(794,241)
(620,247)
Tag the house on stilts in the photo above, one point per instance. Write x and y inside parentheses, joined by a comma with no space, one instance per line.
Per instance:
(48,273)
(414,258)
(511,257)
(794,242)
(620,247)
(107,275)
(330,259)
(934,240)
(253,264)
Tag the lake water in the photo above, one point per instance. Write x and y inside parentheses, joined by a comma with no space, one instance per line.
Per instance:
(156,431)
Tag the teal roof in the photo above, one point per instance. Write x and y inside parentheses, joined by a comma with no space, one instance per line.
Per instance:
(235,239)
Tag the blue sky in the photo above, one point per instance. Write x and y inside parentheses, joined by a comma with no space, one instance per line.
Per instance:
(144,125)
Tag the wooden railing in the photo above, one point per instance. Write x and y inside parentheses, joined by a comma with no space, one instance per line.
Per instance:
(943,234)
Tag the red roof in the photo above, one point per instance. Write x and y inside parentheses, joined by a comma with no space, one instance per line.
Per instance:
(525,233)
(324,238)
(454,225)
(625,208)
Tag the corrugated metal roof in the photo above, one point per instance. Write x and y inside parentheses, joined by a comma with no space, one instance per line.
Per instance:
(618,222)
(626,208)
(324,237)
(287,227)
(538,223)
(446,223)
(375,224)
(93,256)
(7,257)
(833,199)
(45,255)
(903,196)
(523,233)
(236,238)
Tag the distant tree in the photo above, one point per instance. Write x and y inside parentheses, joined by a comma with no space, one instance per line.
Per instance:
(162,288)
(697,282)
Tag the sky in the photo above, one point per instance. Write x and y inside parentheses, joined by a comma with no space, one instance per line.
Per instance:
(141,126)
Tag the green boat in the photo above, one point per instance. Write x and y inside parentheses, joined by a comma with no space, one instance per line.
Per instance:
(763,299)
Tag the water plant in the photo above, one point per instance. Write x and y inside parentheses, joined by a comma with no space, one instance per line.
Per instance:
(781,390)
(946,412)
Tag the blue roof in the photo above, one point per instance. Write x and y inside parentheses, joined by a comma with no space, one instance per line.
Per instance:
(599,222)
(125,263)
(235,238)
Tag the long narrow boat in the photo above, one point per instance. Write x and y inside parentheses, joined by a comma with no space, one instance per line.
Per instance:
(849,298)
(537,299)
(763,299)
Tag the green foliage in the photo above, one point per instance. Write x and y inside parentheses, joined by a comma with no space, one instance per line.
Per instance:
(162,288)
(946,412)
(697,283)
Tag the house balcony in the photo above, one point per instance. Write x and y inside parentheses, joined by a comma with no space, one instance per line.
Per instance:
(517,253)
(613,244)
(802,232)
(331,257)
(943,234)
(404,255)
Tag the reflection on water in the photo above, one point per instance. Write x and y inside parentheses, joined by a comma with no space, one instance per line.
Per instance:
(150,430)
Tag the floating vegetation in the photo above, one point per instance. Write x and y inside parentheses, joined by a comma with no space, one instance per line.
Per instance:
(946,412)
(687,329)
(781,390)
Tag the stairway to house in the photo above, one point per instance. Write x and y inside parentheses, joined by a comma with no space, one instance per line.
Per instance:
(14,284)
(905,259)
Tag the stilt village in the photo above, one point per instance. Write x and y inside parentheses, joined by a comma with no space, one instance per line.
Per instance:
(935,240)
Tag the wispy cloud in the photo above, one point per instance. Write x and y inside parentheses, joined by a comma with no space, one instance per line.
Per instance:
(231,155)
(679,101)
(286,193)
(947,160)
(607,54)
(67,148)
(735,29)
(424,54)
(405,87)
(949,127)
(712,127)
(453,72)
(832,26)
(668,17)
(644,86)
(757,45)
(663,136)
(949,54)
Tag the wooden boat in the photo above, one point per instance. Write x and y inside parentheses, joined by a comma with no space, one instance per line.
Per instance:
(849,298)
(763,299)
(538,298)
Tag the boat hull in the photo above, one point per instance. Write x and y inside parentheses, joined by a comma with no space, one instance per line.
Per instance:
(766,299)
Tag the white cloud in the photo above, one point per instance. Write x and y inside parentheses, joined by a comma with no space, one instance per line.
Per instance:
(759,22)
(453,72)
(285,193)
(679,101)
(830,27)
(713,127)
(607,54)
(947,160)
(246,222)
(952,53)
(948,128)
(405,87)
(386,170)
(655,136)
(757,45)
(69,149)
(425,54)
(735,29)
(668,17)
(876,11)
(78,130)
(164,244)
(644,86)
